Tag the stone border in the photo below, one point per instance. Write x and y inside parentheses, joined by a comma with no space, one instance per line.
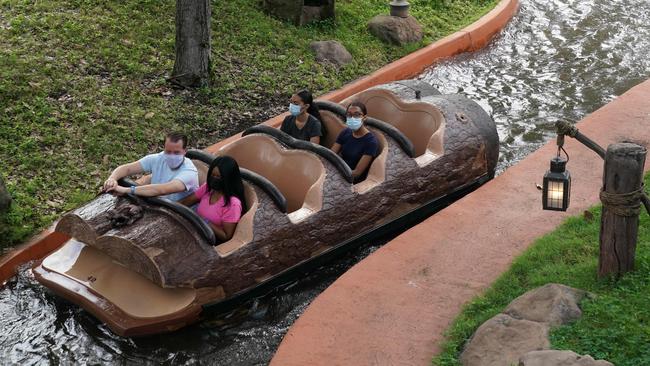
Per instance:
(471,38)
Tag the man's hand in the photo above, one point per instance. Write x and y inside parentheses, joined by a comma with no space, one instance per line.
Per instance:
(109,184)
(118,190)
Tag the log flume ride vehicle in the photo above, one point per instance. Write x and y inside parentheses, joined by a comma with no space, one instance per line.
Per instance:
(163,270)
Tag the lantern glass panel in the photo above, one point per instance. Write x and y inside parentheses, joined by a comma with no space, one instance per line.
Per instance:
(557,189)
(555,194)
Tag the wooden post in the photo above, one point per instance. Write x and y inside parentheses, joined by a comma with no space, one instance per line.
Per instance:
(619,225)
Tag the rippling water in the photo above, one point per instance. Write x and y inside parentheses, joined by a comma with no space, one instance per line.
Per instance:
(557,59)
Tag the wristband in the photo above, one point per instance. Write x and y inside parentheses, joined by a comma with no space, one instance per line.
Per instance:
(133,190)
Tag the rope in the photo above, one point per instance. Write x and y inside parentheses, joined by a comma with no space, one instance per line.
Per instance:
(623,204)
(566,128)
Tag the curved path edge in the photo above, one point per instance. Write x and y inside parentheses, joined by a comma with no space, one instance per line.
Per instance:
(393,307)
(471,38)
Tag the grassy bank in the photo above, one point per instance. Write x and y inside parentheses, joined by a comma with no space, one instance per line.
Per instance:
(615,326)
(82,85)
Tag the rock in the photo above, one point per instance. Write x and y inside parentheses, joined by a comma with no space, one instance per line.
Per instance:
(5,198)
(553,304)
(559,358)
(396,30)
(332,52)
(502,340)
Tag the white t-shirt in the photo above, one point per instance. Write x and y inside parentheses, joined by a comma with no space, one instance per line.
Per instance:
(161,173)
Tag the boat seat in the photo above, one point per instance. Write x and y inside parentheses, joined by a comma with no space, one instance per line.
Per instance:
(244,231)
(333,125)
(332,120)
(420,122)
(377,170)
(202,161)
(334,114)
(294,143)
(299,175)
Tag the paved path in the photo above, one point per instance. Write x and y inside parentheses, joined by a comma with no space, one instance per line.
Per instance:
(393,307)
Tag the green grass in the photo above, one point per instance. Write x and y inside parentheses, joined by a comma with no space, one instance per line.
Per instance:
(83,85)
(614,326)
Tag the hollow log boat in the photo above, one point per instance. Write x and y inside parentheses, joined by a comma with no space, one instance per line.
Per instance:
(161,271)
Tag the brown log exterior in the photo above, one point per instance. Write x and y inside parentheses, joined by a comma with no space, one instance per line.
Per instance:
(5,198)
(623,173)
(193,43)
(165,248)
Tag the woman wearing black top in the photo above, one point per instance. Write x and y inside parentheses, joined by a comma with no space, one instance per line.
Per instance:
(304,121)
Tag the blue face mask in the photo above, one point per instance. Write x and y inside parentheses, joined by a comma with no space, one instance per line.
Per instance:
(354,123)
(294,109)
(174,161)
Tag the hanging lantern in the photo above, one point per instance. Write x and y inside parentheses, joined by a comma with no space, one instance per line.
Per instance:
(557,186)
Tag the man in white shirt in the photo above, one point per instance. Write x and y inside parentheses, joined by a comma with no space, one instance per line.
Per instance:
(172,175)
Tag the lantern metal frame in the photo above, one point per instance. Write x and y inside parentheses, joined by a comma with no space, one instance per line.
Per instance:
(556,193)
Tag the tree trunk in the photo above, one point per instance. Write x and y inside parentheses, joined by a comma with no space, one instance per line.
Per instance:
(5,198)
(619,225)
(192,65)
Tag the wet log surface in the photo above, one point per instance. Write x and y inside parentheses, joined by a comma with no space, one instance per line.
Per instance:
(91,220)
(619,229)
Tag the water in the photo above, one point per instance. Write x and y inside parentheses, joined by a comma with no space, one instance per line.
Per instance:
(557,59)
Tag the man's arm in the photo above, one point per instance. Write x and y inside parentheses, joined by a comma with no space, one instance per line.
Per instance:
(120,172)
(153,190)
(143,180)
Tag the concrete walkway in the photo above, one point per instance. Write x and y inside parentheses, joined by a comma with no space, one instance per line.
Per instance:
(393,307)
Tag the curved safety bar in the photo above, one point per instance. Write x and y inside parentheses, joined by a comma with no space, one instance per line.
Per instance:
(335,108)
(294,143)
(266,185)
(397,135)
(326,105)
(187,213)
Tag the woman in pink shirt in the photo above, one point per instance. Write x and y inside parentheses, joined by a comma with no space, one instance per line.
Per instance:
(221,199)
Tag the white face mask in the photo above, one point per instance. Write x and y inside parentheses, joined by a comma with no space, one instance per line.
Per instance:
(354,123)
(294,109)
(174,161)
